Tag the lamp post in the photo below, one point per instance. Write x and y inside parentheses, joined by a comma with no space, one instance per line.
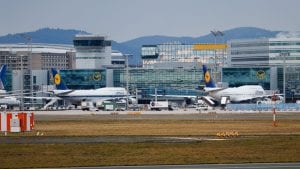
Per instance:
(22,85)
(127,80)
(284,55)
(29,40)
(216,33)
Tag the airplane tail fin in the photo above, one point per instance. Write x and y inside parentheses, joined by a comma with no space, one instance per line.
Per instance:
(2,76)
(59,84)
(207,78)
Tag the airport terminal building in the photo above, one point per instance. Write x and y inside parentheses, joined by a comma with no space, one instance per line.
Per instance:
(276,54)
(35,60)
(176,69)
(169,69)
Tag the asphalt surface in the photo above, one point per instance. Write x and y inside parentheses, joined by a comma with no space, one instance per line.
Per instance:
(188,114)
(102,139)
(206,166)
(180,114)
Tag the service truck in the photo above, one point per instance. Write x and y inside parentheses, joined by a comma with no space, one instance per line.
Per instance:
(87,105)
(159,105)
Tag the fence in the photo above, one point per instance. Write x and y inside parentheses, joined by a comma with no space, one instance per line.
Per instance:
(264,107)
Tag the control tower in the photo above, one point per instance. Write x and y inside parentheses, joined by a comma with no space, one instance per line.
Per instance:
(92,51)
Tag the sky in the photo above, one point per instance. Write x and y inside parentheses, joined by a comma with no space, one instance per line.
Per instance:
(124,20)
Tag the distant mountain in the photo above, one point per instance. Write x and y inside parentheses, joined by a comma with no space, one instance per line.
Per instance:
(62,36)
(236,33)
(45,35)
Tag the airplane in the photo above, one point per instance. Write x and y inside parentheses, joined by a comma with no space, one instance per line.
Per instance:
(75,97)
(2,78)
(243,93)
(6,101)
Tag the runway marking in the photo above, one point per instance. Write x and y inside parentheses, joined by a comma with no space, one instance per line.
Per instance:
(206,166)
(195,138)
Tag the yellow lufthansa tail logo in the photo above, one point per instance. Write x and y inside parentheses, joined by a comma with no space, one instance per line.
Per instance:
(57,79)
(207,77)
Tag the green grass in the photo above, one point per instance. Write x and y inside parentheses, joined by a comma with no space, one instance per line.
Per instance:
(165,127)
(259,149)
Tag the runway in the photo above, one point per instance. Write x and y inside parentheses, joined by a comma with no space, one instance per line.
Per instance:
(205,166)
(162,112)
(188,114)
(104,139)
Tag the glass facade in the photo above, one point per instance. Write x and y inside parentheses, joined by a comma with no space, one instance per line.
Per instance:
(167,81)
(252,52)
(183,82)
(265,52)
(292,82)
(84,79)
(102,43)
(247,76)
(183,53)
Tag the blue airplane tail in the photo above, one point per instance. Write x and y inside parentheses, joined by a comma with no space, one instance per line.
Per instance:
(207,78)
(59,84)
(2,76)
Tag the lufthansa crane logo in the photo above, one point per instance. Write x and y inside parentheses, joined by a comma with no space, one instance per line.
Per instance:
(260,74)
(207,77)
(97,76)
(57,79)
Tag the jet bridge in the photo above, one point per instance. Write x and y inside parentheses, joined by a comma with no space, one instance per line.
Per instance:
(209,101)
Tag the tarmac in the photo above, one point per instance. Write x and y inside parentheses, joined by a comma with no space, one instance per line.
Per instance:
(183,114)
(205,166)
(104,139)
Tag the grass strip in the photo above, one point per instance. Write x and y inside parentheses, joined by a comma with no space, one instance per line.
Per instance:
(165,127)
(260,149)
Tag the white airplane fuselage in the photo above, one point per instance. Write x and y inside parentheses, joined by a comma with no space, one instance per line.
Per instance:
(237,94)
(94,95)
(9,101)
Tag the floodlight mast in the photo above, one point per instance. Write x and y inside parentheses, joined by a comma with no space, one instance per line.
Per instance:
(29,42)
(216,33)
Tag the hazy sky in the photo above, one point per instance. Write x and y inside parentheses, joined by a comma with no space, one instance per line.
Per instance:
(123,20)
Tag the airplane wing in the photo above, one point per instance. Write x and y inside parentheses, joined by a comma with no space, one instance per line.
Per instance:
(62,92)
(213,89)
(41,98)
(175,96)
(247,99)
(278,97)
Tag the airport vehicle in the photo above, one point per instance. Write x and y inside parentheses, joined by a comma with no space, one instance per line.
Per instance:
(159,105)
(94,95)
(202,107)
(245,93)
(86,105)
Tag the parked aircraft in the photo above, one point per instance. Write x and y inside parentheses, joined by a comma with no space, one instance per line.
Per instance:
(75,97)
(2,79)
(6,100)
(235,94)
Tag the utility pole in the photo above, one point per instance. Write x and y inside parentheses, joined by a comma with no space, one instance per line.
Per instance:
(29,43)
(216,33)
(22,85)
(127,81)
(284,55)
